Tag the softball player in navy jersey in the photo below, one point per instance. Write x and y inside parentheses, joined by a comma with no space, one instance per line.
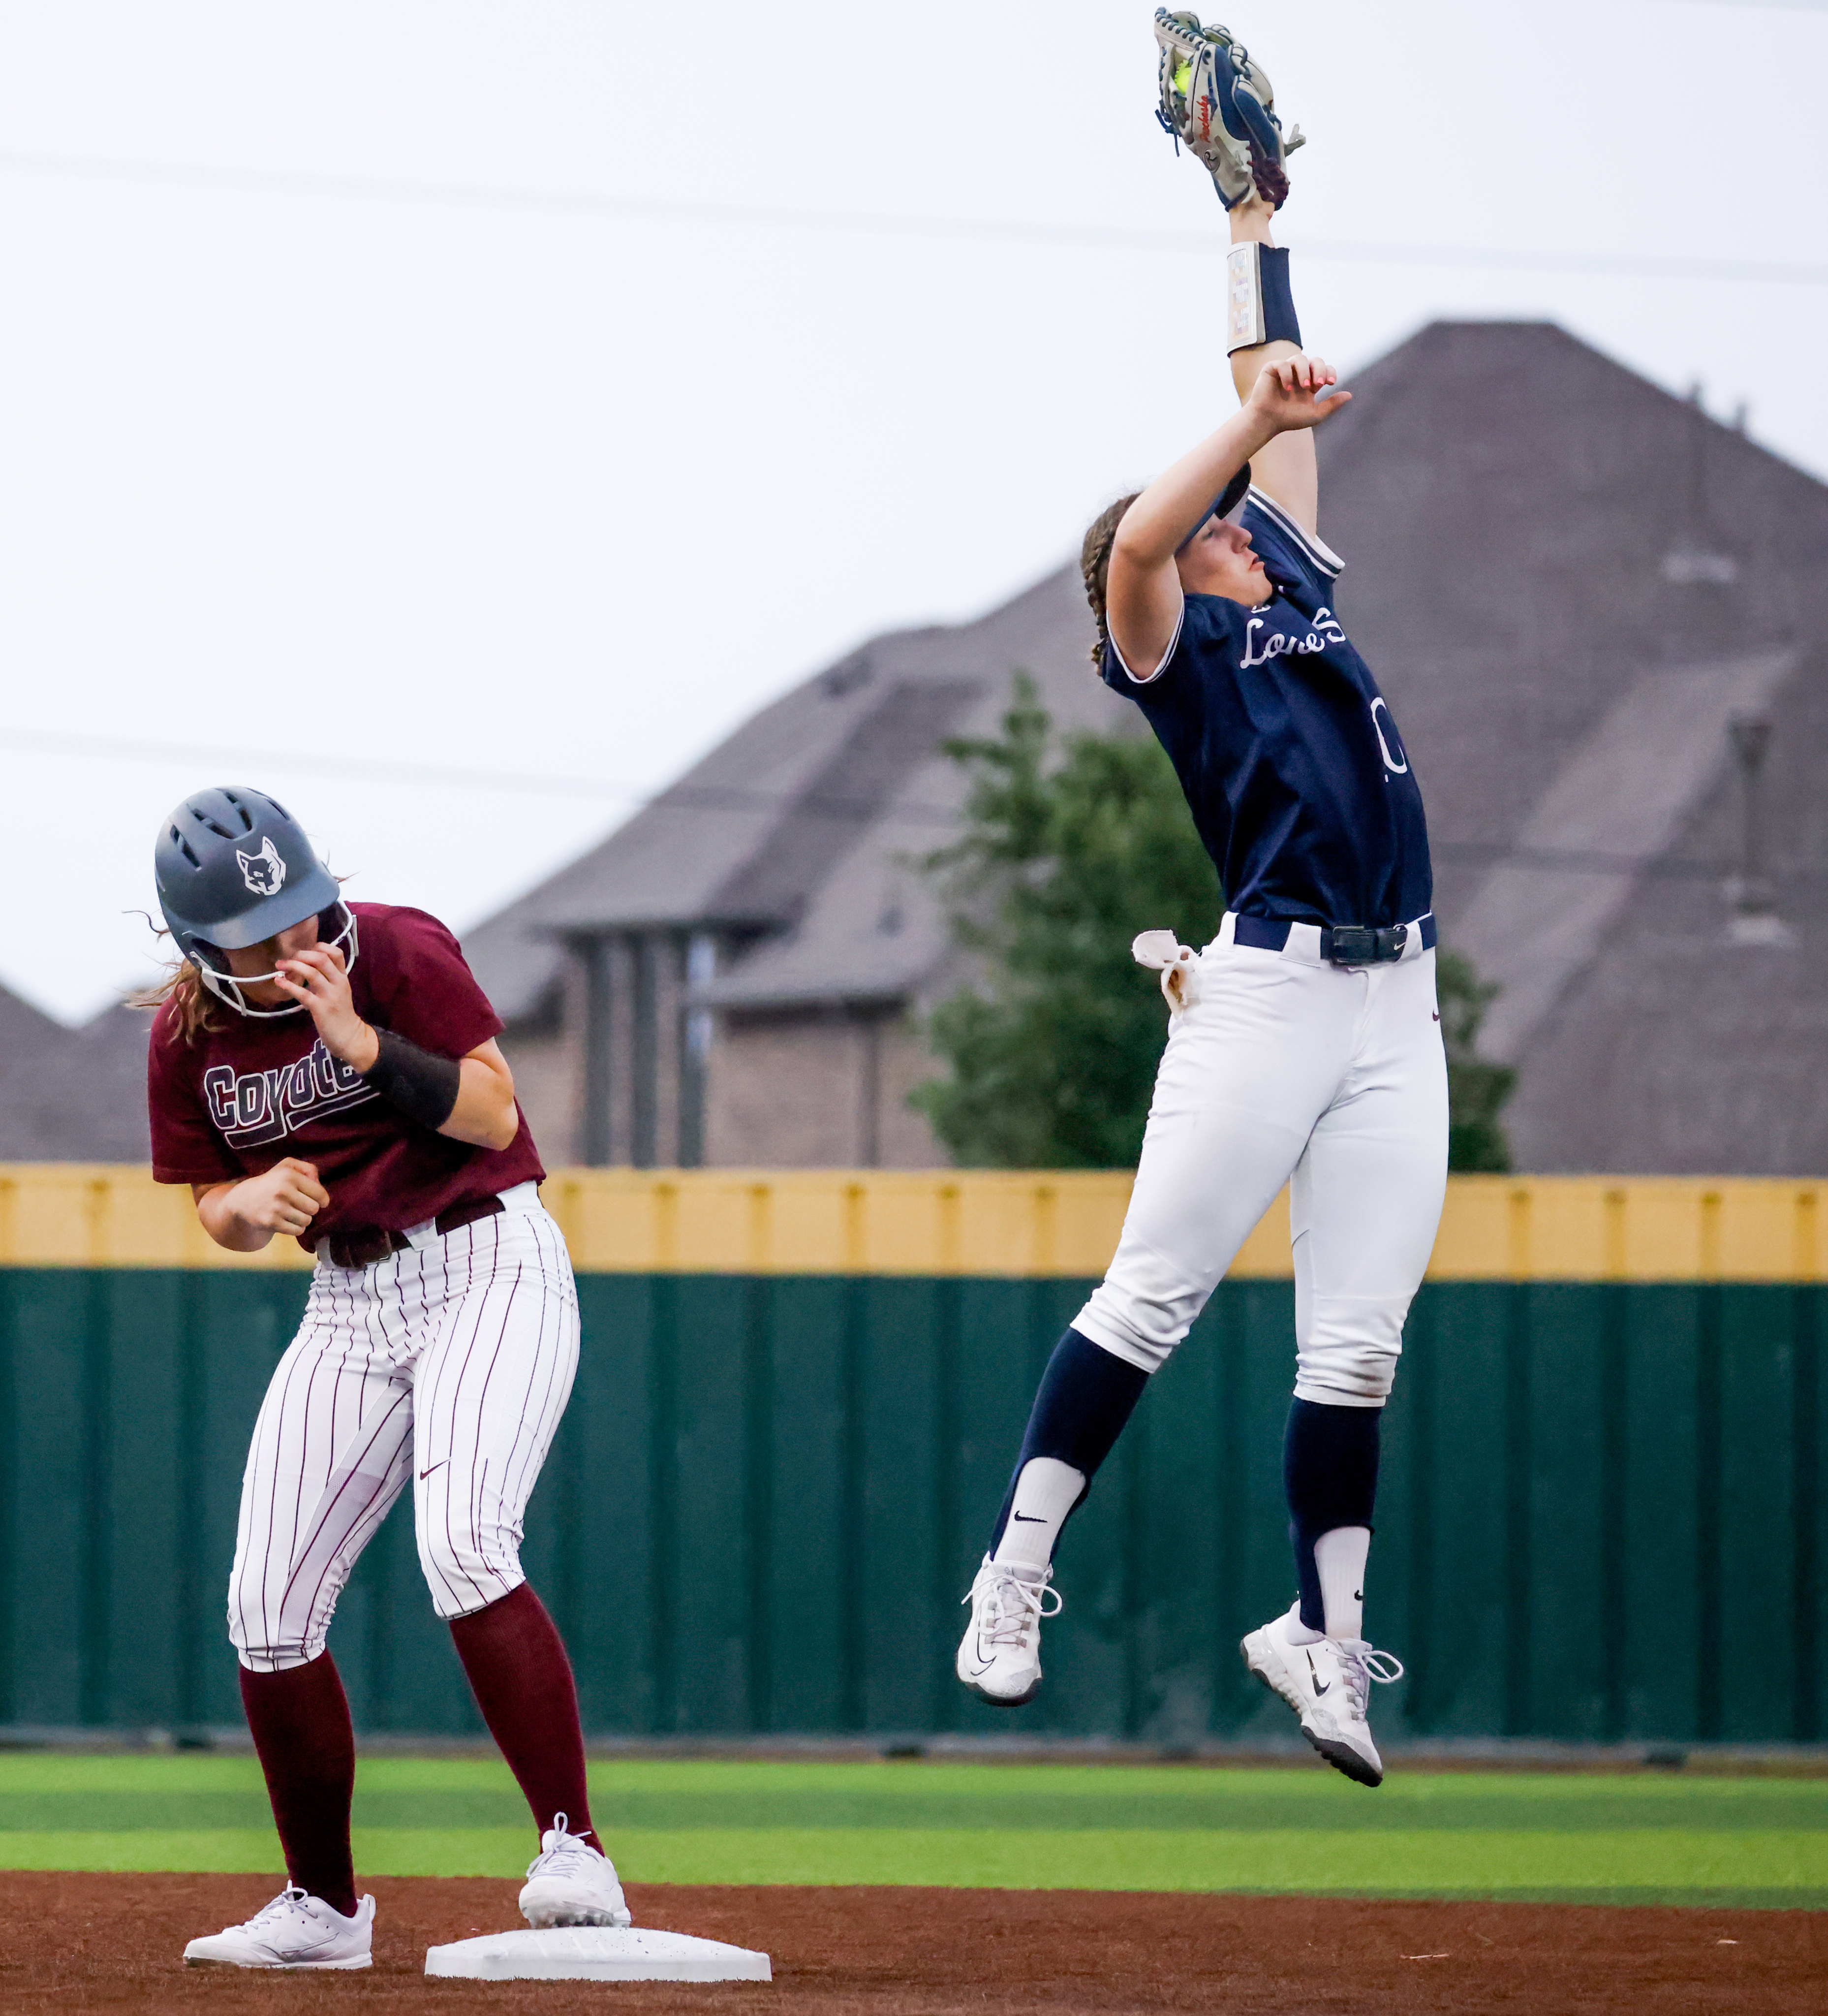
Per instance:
(329,1071)
(1305,1041)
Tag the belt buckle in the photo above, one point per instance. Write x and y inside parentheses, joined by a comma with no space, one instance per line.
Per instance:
(1366,945)
(362,1249)
(1391,938)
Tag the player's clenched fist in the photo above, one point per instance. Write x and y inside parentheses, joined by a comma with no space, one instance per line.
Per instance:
(318,978)
(285,1198)
(1295,392)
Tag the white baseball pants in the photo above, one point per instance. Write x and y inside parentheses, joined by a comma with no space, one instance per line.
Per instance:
(449,1365)
(1286,1065)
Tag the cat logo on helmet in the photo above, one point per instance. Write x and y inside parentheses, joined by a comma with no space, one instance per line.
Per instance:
(264,873)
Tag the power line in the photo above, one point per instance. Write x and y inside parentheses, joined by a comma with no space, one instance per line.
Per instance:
(432,776)
(449,777)
(838,806)
(879,224)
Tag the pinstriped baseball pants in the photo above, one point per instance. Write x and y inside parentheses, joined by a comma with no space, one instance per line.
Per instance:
(448,1366)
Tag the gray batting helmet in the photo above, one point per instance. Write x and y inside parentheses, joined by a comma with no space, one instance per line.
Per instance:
(233,867)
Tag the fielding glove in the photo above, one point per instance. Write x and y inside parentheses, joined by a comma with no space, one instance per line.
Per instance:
(1220,106)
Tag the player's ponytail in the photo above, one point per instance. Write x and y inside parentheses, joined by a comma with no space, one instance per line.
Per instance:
(192,1004)
(1094,565)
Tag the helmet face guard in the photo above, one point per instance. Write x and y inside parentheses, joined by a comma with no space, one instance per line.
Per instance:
(226,986)
(234,869)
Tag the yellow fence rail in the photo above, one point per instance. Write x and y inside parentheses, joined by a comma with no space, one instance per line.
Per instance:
(979,1222)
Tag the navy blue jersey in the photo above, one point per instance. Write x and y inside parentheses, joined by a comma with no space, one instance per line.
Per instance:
(1297,779)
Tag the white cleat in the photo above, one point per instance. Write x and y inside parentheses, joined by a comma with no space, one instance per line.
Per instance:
(295,1931)
(1327,1685)
(999,1659)
(570,1883)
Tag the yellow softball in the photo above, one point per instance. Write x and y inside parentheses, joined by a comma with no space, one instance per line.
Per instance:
(1183,77)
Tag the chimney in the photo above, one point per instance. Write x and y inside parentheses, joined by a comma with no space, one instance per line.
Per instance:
(1696,557)
(1753,902)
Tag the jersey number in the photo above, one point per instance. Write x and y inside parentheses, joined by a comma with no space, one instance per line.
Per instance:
(1398,765)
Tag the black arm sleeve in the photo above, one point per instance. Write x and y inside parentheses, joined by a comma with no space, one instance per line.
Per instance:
(424,1087)
(1280,322)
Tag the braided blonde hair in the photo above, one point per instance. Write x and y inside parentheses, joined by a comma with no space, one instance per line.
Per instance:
(1094,565)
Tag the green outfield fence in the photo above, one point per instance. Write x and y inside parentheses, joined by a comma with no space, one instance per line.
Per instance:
(1601,1519)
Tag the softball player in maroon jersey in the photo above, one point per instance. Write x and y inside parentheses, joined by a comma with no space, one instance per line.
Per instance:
(329,1071)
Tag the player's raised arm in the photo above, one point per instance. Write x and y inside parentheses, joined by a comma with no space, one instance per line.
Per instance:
(1259,304)
(1143,595)
(1153,557)
(1174,538)
(1219,105)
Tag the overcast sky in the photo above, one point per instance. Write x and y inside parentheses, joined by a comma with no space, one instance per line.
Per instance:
(533,390)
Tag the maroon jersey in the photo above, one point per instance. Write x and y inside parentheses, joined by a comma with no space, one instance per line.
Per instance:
(245,1095)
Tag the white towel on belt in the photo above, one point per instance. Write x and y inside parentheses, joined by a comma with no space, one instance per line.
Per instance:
(1178,964)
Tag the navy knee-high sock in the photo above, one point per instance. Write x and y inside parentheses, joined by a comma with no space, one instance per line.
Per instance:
(1329,1472)
(1086,1395)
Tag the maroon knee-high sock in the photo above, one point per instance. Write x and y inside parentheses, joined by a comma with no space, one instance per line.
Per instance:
(304,1739)
(523,1683)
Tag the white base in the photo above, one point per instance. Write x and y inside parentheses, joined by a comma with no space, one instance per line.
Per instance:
(596,1952)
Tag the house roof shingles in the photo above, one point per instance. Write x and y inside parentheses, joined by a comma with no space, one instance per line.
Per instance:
(804,819)
(72,1095)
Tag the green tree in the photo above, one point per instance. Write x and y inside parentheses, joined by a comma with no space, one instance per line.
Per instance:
(1475,1090)
(1071,846)
(1070,849)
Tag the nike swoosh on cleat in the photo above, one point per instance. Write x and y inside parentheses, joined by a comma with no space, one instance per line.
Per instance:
(1024,1519)
(1321,1686)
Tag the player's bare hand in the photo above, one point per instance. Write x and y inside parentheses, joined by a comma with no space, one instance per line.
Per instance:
(319,978)
(285,1198)
(1296,391)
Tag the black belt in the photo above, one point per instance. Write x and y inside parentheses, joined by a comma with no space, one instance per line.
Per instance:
(363,1247)
(1341,945)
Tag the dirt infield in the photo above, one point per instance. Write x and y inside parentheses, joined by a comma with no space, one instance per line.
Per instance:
(105,1942)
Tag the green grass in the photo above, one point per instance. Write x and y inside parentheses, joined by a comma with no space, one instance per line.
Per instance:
(1647,1838)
